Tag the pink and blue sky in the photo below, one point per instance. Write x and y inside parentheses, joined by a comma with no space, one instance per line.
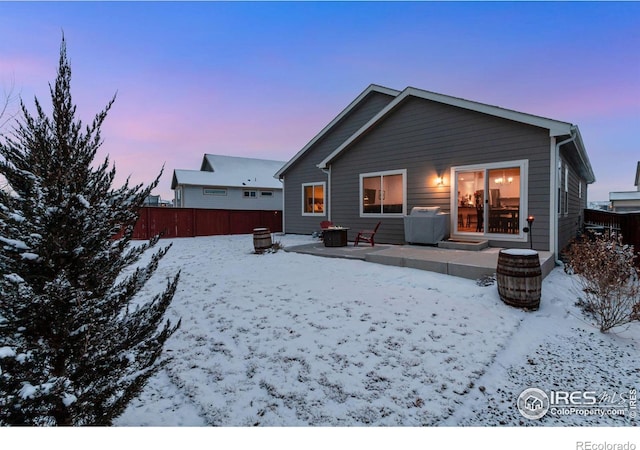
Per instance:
(261,79)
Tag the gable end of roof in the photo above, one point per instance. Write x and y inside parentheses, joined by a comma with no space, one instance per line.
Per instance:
(338,118)
(555,127)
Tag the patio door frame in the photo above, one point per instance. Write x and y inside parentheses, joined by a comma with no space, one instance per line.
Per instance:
(523,165)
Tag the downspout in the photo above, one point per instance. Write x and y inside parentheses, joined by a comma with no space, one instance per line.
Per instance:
(328,193)
(284,231)
(555,214)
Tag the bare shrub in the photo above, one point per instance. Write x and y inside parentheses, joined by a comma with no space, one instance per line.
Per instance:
(608,279)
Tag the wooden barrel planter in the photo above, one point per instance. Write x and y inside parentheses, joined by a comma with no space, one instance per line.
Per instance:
(261,239)
(519,278)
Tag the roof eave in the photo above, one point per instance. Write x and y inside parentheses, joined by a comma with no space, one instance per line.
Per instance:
(353,104)
(555,127)
(584,158)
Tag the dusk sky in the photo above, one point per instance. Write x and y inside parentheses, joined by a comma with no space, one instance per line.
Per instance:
(261,79)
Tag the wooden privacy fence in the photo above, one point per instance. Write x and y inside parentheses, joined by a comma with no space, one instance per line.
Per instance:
(191,222)
(627,224)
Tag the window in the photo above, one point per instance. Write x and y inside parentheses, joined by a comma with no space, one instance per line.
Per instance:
(566,190)
(563,188)
(179,197)
(313,199)
(580,189)
(491,199)
(249,194)
(383,193)
(213,191)
(266,193)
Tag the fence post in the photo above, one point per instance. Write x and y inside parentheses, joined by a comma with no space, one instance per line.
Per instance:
(194,232)
(148,230)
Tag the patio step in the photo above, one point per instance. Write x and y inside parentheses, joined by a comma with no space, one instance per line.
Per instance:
(460,244)
(460,263)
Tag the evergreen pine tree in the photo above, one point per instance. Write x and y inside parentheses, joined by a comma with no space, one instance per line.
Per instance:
(76,341)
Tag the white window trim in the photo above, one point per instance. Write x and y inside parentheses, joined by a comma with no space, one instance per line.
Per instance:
(221,191)
(523,164)
(178,196)
(402,172)
(579,188)
(324,191)
(244,191)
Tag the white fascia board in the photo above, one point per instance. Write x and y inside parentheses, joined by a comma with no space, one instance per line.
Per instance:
(324,163)
(555,127)
(359,98)
(582,154)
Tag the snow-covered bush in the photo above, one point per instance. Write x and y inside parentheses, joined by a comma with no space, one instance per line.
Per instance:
(74,350)
(608,279)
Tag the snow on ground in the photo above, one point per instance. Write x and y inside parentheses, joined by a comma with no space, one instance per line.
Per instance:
(284,339)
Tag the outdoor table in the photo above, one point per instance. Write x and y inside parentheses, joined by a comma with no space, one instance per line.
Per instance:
(335,236)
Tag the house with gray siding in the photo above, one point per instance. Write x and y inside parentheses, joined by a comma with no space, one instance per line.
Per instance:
(490,168)
(229,182)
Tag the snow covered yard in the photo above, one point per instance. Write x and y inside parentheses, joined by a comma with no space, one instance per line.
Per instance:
(283,339)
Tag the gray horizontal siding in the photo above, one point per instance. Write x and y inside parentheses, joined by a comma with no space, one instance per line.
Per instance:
(428,138)
(570,224)
(305,169)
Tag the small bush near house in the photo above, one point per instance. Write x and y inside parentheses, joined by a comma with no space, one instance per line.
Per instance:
(608,278)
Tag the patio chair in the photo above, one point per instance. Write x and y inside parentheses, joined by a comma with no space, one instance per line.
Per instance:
(323,225)
(367,235)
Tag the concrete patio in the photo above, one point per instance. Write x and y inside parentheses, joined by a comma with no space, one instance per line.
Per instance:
(459,263)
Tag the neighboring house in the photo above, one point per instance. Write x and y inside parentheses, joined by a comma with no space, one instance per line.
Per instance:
(629,200)
(155,200)
(490,167)
(229,182)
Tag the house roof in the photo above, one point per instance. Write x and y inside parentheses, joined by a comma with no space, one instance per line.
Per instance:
(230,171)
(556,128)
(337,119)
(628,195)
(637,175)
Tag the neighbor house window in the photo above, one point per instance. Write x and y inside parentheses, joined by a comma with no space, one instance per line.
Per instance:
(249,194)
(266,193)
(383,193)
(213,191)
(313,199)
(179,197)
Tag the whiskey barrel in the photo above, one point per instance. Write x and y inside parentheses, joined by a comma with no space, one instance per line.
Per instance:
(261,239)
(519,278)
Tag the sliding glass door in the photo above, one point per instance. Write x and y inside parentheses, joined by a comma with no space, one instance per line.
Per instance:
(487,200)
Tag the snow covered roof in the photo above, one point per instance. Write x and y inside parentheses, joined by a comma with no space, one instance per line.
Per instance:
(230,171)
(628,195)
